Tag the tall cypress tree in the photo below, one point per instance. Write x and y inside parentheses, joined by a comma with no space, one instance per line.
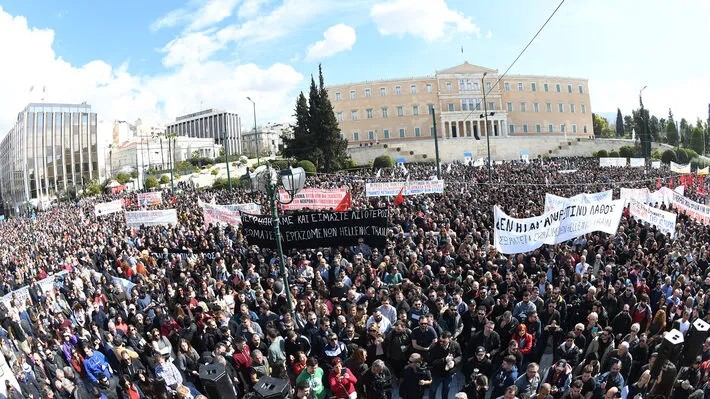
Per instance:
(299,146)
(333,147)
(619,123)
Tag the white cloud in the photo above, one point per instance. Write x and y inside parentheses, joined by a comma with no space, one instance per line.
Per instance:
(250,8)
(489,35)
(337,38)
(207,13)
(117,94)
(189,48)
(428,19)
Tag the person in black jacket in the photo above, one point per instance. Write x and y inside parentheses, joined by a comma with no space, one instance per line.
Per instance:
(445,357)
(415,377)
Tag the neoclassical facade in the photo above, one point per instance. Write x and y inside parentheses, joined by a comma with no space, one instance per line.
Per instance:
(517,105)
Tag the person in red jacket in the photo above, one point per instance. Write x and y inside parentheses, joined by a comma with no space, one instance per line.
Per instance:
(341,381)
(525,342)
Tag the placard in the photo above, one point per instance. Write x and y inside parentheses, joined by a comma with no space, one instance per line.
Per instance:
(555,202)
(703,171)
(107,208)
(161,217)
(226,214)
(317,198)
(637,194)
(512,235)
(637,162)
(656,164)
(612,162)
(152,198)
(678,168)
(695,211)
(664,221)
(412,188)
(318,229)
(22,294)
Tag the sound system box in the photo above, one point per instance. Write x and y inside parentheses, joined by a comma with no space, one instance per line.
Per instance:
(216,381)
(694,339)
(272,388)
(670,351)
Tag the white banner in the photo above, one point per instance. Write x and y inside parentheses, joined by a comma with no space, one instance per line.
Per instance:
(106,208)
(637,162)
(678,168)
(22,294)
(152,198)
(637,194)
(695,211)
(412,188)
(315,198)
(514,235)
(226,214)
(664,221)
(703,171)
(612,162)
(656,164)
(556,202)
(567,171)
(162,217)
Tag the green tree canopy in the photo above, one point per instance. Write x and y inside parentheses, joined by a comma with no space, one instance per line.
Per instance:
(600,126)
(383,161)
(671,131)
(619,123)
(123,177)
(668,156)
(151,182)
(697,138)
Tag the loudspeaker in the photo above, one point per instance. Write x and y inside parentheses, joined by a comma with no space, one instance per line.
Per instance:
(670,350)
(694,339)
(216,381)
(272,388)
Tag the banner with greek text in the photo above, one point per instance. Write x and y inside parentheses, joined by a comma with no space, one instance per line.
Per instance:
(162,217)
(637,162)
(226,214)
(612,162)
(106,208)
(678,168)
(412,188)
(656,164)
(317,198)
(23,294)
(318,229)
(556,202)
(664,221)
(695,211)
(152,198)
(638,194)
(512,235)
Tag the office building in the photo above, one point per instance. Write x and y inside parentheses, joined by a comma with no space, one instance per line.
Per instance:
(51,148)
(518,105)
(268,139)
(222,126)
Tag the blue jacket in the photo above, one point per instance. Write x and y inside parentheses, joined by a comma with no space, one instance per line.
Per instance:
(95,365)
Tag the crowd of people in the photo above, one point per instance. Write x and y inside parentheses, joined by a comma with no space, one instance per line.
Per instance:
(135,312)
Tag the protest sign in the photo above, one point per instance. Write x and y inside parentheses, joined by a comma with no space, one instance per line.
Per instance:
(678,168)
(318,229)
(22,294)
(612,162)
(106,208)
(316,198)
(555,202)
(664,221)
(637,194)
(703,171)
(695,211)
(152,198)
(226,214)
(512,235)
(162,217)
(411,188)
(656,164)
(637,162)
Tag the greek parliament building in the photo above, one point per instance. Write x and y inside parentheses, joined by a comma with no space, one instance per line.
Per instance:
(50,148)
(222,126)
(522,105)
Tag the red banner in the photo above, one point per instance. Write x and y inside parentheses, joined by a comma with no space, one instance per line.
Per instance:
(315,198)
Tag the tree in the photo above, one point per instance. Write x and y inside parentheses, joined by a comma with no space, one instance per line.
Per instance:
(383,161)
(93,188)
(684,133)
(123,177)
(619,123)
(316,135)
(671,131)
(308,166)
(653,128)
(164,179)
(668,156)
(697,138)
(629,125)
(600,126)
(151,182)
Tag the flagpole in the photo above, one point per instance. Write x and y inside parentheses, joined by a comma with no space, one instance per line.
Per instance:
(436,144)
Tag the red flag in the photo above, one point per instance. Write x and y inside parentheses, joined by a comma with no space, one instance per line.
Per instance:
(400,197)
(691,177)
(682,180)
(127,202)
(345,203)
(658,183)
(173,200)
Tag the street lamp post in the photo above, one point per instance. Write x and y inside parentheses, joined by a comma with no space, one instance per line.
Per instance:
(645,139)
(171,161)
(226,157)
(436,144)
(488,136)
(256,135)
(267,181)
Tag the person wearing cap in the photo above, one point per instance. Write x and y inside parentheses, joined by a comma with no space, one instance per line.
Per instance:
(559,376)
(415,377)
(444,357)
(341,381)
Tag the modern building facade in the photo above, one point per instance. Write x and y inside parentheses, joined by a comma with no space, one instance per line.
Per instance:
(222,126)
(51,147)
(153,152)
(517,105)
(268,138)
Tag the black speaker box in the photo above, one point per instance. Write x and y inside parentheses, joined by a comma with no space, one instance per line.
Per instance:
(670,350)
(694,339)
(272,388)
(216,381)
